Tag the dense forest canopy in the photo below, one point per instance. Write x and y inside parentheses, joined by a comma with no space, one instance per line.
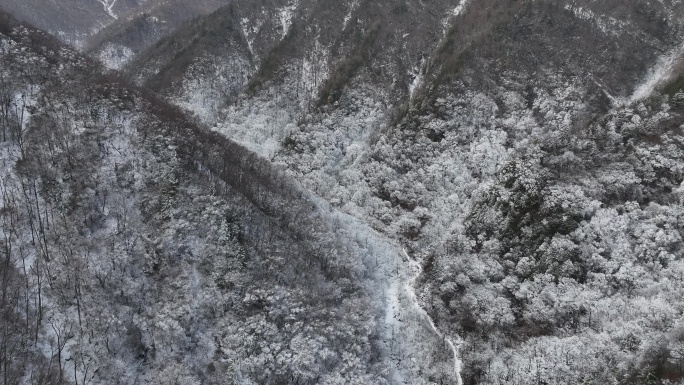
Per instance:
(338,192)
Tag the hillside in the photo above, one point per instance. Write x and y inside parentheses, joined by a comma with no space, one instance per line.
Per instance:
(142,28)
(139,247)
(501,143)
(113,31)
(349,191)
(72,21)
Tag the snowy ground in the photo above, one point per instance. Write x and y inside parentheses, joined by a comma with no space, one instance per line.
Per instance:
(659,74)
(115,56)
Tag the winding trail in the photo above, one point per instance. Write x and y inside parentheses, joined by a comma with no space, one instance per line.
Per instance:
(416,271)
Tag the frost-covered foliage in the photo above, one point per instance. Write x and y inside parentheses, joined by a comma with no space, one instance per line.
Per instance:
(140,248)
(202,67)
(546,212)
(115,56)
(572,248)
(209,83)
(519,150)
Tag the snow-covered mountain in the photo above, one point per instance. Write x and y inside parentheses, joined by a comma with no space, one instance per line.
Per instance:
(491,191)
(140,247)
(489,137)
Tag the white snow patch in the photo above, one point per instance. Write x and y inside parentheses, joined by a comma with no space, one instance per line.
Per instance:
(261,127)
(457,11)
(5,45)
(393,321)
(347,18)
(115,56)
(244,24)
(285,14)
(660,73)
(417,76)
(460,8)
(314,72)
(108,5)
(249,29)
(607,25)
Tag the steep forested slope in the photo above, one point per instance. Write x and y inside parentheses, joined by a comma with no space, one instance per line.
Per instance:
(142,27)
(140,248)
(528,152)
(72,21)
(114,31)
(209,58)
